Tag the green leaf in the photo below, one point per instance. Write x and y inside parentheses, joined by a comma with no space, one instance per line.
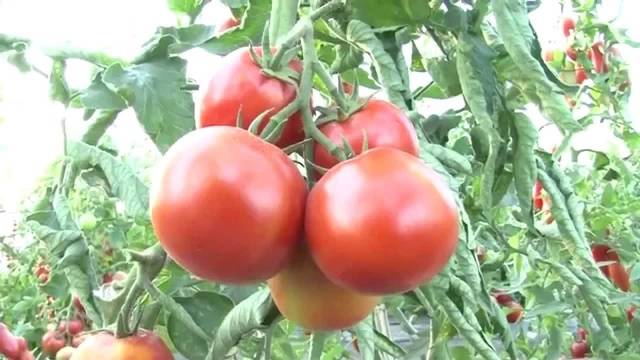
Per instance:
(525,139)
(388,346)
(99,96)
(235,3)
(154,90)
(57,286)
(250,30)
(58,88)
(450,158)
(256,312)
(445,74)
(365,335)
(514,29)
(184,6)
(384,13)
(124,182)
(207,309)
(347,58)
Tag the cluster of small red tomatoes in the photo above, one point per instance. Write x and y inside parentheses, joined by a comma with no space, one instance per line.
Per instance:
(232,208)
(612,268)
(596,53)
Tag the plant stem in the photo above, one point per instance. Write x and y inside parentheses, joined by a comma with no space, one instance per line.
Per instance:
(283,17)
(306,82)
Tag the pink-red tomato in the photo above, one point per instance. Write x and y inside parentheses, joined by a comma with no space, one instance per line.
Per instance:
(572,53)
(73,327)
(582,334)
(538,201)
(581,75)
(240,86)
(10,345)
(568,26)
(305,296)
(596,54)
(579,349)
(228,206)
(144,345)
(502,298)
(515,312)
(52,341)
(619,276)
(382,222)
(384,125)
(631,312)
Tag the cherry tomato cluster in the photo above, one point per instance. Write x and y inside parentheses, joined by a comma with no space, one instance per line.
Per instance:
(230,207)
(13,347)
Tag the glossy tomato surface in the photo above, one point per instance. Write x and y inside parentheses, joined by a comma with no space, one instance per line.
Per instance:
(384,125)
(381,223)
(240,85)
(305,296)
(104,346)
(228,206)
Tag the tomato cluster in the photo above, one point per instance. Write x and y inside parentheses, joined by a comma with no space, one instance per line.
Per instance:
(233,208)
(580,348)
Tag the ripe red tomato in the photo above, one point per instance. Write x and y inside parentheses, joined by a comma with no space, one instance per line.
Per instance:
(581,75)
(596,54)
(619,276)
(73,327)
(381,223)
(10,345)
(105,346)
(537,196)
(502,298)
(228,206)
(600,253)
(384,124)
(572,53)
(516,312)
(579,349)
(631,312)
(239,85)
(228,24)
(568,26)
(52,341)
(305,296)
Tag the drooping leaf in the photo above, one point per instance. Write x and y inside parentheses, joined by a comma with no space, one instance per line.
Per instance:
(207,309)
(124,182)
(250,30)
(154,90)
(99,96)
(525,138)
(256,312)
(58,88)
(445,74)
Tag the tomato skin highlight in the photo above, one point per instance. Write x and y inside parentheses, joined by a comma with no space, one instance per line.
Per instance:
(144,345)
(228,206)
(239,85)
(384,124)
(381,223)
(304,295)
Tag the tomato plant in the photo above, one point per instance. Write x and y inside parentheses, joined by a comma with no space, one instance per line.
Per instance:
(335,179)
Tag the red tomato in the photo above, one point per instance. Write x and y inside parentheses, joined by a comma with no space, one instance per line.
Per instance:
(582,334)
(537,196)
(240,85)
(568,26)
(52,341)
(228,206)
(631,312)
(305,296)
(502,298)
(144,345)
(9,344)
(516,312)
(572,53)
(579,349)
(228,24)
(619,276)
(384,124)
(581,75)
(381,223)
(600,253)
(596,54)
(73,327)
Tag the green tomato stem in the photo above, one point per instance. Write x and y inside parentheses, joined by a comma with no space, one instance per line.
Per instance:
(306,82)
(331,87)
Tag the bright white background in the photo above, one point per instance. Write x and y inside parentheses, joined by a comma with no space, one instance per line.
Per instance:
(30,134)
